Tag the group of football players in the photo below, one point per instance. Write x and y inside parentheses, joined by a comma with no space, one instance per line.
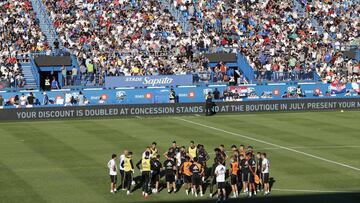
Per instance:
(247,171)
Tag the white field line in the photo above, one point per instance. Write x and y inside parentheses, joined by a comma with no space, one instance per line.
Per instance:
(271,144)
(312,191)
(308,147)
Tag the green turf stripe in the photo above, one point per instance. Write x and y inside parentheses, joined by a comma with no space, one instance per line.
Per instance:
(62,156)
(11,183)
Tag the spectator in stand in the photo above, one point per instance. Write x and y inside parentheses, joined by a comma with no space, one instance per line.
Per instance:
(216,94)
(64,75)
(54,84)
(45,99)
(1,101)
(23,100)
(31,99)
(73,75)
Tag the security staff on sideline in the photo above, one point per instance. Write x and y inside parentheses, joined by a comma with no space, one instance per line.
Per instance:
(172,96)
(209,104)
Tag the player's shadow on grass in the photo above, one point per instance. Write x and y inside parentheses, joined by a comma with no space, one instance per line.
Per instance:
(271,182)
(317,198)
(138,183)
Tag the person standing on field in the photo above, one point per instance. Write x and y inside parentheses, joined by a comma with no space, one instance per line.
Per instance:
(156,168)
(170,172)
(220,172)
(145,169)
(128,170)
(113,173)
(265,173)
(121,168)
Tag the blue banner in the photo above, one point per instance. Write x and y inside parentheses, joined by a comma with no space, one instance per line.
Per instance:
(148,81)
(186,94)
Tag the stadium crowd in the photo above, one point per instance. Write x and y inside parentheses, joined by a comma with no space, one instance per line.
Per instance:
(280,40)
(121,38)
(277,38)
(19,35)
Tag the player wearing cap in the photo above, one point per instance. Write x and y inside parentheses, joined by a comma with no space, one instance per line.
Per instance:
(113,173)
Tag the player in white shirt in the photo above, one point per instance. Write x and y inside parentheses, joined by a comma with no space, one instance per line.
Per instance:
(113,173)
(265,173)
(121,168)
(220,172)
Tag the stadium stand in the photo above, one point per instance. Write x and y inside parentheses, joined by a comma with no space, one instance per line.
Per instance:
(291,40)
(281,39)
(20,34)
(120,38)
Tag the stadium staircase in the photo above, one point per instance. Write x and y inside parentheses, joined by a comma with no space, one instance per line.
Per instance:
(46,25)
(299,8)
(245,68)
(179,16)
(30,75)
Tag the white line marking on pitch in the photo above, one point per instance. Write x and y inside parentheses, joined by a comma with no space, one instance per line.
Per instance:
(314,147)
(308,147)
(313,191)
(268,143)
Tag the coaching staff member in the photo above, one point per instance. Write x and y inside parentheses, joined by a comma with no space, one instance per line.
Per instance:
(209,104)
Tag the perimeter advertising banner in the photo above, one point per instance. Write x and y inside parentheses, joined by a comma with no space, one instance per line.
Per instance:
(148,81)
(115,111)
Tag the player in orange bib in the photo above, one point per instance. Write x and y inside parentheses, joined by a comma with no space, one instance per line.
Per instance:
(234,168)
(185,168)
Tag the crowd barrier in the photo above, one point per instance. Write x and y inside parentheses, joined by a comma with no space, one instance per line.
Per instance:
(189,94)
(117,111)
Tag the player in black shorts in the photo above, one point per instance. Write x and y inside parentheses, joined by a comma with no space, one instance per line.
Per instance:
(245,174)
(185,170)
(196,170)
(252,167)
(156,168)
(240,173)
(234,168)
(258,171)
(203,157)
(170,169)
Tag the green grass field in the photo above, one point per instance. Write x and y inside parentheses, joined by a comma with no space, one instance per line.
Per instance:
(65,161)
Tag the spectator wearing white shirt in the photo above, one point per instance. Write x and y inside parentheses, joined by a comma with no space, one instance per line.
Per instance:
(220,172)
(265,173)
(113,173)
(23,100)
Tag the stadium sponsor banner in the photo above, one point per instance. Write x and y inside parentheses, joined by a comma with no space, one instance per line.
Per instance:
(115,111)
(148,81)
